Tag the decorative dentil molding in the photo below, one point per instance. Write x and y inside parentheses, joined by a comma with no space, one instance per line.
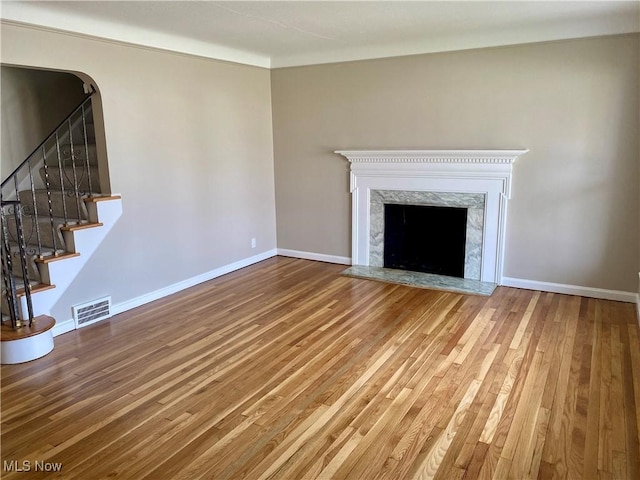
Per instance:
(432,156)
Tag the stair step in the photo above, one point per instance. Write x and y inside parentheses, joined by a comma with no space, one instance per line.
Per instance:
(33,272)
(47,235)
(6,311)
(80,226)
(41,323)
(75,208)
(101,198)
(35,288)
(81,174)
(34,261)
(55,258)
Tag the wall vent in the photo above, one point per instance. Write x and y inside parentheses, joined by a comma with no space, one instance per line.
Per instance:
(91,312)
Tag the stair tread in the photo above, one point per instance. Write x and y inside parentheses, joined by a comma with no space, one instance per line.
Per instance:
(35,288)
(81,226)
(55,258)
(104,198)
(40,324)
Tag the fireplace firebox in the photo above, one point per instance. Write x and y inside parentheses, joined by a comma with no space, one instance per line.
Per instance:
(429,239)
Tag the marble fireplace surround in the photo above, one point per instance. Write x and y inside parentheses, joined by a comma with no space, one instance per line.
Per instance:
(473,202)
(479,180)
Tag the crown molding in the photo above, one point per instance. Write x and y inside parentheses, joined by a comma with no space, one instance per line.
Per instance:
(31,16)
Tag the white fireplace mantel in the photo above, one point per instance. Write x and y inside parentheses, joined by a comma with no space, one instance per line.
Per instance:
(486,172)
(432,156)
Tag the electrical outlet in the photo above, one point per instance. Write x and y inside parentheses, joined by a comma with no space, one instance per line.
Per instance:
(253,243)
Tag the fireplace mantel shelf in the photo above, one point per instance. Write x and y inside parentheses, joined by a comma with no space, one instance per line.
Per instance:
(432,156)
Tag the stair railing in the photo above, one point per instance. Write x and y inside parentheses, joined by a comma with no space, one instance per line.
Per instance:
(41,196)
(59,166)
(11,298)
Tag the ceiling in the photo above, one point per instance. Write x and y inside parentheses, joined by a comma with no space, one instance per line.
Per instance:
(280,34)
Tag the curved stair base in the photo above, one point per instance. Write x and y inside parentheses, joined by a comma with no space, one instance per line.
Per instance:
(27,343)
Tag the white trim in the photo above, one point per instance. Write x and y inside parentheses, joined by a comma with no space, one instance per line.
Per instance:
(617,295)
(319,257)
(190,282)
(135,37)
(487,172)
(64,327)
(68,325)
(638,300)
(432,156)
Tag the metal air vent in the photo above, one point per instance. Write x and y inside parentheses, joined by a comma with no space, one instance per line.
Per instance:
(91,312)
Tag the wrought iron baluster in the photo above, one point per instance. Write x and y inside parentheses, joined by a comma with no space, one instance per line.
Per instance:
(49,203)
(17,212)
(75,175)
(35,210)
(64,197)
(86,149)
(11,293)
(16,187)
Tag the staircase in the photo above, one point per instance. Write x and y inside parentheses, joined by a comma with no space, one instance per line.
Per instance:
(47,202)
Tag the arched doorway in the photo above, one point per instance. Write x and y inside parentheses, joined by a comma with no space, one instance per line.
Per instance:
(34,102)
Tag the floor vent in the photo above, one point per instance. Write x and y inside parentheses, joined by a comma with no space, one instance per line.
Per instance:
(91,312)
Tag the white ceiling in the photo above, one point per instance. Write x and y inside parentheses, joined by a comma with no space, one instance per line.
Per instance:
(279,34)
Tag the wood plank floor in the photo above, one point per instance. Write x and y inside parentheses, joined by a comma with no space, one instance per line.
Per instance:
(286,370)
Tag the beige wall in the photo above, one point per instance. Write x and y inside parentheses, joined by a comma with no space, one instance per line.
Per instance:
(32,104)
(189,143)
(573,217)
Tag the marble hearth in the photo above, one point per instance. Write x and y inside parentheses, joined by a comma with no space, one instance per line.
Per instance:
(478,180)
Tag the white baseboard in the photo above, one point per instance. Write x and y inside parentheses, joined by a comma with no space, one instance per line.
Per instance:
(63,327)
(617,295)
(638,300)
(190,282)
(320,257)
(68,325)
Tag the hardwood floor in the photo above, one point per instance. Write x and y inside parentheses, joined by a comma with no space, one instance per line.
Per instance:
(286,370)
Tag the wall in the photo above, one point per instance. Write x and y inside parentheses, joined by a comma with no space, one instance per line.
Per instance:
(33,103)
(573,217)
(190,150)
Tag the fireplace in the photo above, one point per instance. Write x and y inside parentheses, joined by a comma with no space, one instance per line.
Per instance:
(477,182)
(423,238)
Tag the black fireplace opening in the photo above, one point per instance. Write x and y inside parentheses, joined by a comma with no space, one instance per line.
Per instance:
(427,239)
